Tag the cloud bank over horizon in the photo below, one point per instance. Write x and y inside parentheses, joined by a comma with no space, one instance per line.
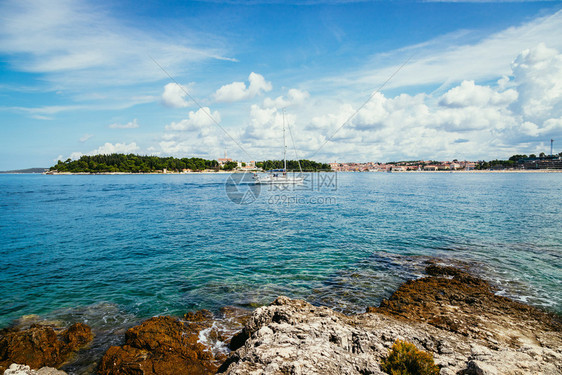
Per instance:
(518,113)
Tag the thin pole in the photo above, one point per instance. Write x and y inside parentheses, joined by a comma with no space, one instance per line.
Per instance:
(284,146)
(295,147)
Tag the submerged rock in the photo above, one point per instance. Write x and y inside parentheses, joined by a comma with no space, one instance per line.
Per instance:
(162,345)
(451,314)
(40,346)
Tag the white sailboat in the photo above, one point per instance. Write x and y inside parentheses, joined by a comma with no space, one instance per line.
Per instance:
(280,176)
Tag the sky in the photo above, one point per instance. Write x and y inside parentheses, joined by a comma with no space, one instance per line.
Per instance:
(351,80)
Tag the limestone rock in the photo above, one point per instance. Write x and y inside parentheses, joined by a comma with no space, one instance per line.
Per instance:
(16,369)
(480,368)
(294,337)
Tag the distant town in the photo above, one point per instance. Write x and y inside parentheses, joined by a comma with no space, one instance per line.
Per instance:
(531,161)
(516,162)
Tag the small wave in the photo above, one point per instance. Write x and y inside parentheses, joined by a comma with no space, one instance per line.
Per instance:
(209,338)
(225,325)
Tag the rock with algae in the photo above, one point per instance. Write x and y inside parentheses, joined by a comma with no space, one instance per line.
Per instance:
(160,346)
(39,346)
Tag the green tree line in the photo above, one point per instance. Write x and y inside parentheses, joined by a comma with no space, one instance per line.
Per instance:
(513,162)
(131,164)
(307,165)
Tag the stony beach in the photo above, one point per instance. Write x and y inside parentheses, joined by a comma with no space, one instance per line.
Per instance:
(451,314)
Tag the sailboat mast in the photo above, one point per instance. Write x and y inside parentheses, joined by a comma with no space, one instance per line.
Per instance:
(284,145)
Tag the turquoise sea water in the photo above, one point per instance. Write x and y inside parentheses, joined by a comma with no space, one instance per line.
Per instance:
(142,245)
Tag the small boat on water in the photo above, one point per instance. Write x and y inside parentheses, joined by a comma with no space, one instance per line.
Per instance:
(280,176)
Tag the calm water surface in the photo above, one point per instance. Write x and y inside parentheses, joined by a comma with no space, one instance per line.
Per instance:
(98,247)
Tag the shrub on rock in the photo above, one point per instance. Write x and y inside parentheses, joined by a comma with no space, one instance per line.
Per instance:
(405,359)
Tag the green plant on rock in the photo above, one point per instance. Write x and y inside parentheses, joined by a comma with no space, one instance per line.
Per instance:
(405,359)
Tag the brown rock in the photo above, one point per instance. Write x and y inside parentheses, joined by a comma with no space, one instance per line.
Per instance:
(76,336)
(198,316)
(161,345)
(40,346)
(459,302)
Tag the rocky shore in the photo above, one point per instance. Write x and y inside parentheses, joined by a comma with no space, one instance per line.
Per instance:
(450,314)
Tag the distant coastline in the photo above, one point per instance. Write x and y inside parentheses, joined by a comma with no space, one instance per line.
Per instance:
(136,164)
(45,171)
(242,171)
(26,171)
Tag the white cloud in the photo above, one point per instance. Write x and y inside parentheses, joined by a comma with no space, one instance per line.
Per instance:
(470,94)
(120,148)
(468,121)
(530,129)
(237,91)
(549,127)
(450,59)
(75,44)
(46,112)
(76,155)
(538,78)
(107,149)
(294,97)
(265,125)
(130,125)
(197,135)
(173,96)
(196,120)
(205,143)
(85,137)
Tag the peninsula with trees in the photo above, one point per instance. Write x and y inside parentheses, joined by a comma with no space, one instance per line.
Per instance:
(131,163)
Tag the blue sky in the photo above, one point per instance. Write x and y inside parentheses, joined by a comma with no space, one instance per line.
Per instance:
(482,80)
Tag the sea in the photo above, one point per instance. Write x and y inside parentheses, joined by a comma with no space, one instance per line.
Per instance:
(111,250)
